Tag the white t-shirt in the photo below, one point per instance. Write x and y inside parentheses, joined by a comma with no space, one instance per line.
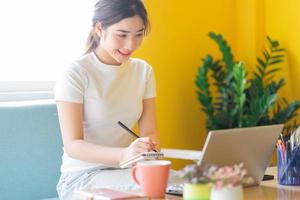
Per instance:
(109,94)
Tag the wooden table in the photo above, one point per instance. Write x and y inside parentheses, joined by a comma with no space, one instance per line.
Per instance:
(267,190)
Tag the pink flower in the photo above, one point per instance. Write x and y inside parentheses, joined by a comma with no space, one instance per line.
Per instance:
(227,176)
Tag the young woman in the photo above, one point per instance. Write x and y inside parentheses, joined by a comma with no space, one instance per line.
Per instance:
(99,89)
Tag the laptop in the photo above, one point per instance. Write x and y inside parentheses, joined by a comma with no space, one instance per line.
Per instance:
(252,146)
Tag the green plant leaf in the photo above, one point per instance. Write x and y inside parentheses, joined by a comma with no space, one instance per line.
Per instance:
(204,95)
(275,62)
(225,50)
(261,63)
(257,109)
(279,50)
(285,111)
(272,71)
(277,56)
(239,74)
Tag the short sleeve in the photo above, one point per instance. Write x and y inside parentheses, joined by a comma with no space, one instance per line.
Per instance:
(71,85)
(150,90)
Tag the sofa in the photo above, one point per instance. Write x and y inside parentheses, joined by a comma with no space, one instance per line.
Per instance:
(30,150)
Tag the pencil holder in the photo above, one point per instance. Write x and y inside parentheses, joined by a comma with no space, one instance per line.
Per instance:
(288,166)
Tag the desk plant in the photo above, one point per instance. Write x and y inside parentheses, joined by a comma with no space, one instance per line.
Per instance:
(240,101)
(212,182)
(198,181)
(228,182)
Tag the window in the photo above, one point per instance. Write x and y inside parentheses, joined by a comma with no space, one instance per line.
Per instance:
(38,39)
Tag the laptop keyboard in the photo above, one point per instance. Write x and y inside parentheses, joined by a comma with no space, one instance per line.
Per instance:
(176,189)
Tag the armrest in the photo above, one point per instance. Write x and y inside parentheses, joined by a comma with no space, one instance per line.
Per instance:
(182,154)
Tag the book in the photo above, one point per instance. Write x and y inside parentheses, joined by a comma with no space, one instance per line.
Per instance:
(184,154)
(142,156)
(105,194)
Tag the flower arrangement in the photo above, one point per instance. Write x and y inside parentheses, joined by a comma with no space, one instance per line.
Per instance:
(227,176)
(230,176)
(197,174)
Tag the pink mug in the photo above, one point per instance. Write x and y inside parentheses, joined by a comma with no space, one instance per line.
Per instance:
(152,176)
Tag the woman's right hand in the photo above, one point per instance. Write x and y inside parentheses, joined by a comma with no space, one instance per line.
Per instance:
(140,145)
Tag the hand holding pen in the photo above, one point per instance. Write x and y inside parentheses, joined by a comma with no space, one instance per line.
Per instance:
(143,140)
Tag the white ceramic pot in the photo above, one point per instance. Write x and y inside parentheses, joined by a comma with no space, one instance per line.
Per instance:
(227,193)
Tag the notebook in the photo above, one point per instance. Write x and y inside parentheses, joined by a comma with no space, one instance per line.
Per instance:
(142,156)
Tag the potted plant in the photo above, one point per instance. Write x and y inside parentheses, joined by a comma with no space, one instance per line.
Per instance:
(198,181)
(228,182)
(240,101)
(212,182)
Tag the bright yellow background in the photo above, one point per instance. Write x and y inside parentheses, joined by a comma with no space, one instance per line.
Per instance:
(178,41)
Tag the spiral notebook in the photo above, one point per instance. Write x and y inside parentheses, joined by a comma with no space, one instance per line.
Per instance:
(142,156)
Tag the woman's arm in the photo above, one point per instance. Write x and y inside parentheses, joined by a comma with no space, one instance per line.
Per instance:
(71,123)
(147,122)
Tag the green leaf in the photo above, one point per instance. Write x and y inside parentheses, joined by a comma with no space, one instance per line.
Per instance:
(204,95)
(277,56)
(261,71)
(261,62)
(266,54)
(239,74)
(285,112)
(279,50)
(272,71)
(269,79)
(225,50)
(275,62)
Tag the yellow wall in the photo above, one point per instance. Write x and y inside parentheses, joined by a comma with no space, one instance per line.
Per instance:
(249,29)
(283,23)
(280,20)
(178,41)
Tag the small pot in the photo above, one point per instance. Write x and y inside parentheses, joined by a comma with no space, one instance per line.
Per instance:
(227,193)
(196,191)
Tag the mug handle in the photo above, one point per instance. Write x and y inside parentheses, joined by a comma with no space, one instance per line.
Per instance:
(133,175)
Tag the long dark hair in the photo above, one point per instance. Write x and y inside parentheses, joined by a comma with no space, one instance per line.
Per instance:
(109,12)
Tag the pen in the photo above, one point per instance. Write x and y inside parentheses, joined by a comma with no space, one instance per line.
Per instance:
(130,131)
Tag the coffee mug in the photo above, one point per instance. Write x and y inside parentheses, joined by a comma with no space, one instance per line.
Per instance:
(152,176)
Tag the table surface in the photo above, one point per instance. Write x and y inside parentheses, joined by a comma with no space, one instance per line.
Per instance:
(272,190)
(267,190)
